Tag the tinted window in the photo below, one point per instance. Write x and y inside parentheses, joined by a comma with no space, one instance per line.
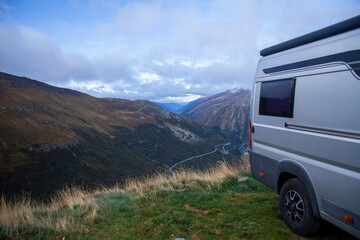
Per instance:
(277,98)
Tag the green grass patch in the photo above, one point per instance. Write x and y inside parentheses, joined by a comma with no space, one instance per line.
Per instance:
(229,210)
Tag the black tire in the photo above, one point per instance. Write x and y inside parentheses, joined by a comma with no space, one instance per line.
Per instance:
(296,209)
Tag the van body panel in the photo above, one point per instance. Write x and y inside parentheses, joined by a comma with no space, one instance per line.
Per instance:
(267,166)
(346,42)
(341,27)
(319,143)
(337,211)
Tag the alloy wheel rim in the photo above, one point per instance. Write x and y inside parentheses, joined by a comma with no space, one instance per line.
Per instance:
(294,206)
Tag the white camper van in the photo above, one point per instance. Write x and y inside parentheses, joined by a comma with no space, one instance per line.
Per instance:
(305,127)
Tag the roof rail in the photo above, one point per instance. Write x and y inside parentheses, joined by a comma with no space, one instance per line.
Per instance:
(329,31)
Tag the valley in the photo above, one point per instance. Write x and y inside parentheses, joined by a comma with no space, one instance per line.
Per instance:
(53,137)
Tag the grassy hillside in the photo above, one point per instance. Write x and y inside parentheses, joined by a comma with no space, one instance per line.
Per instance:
(51,137)
(213,204)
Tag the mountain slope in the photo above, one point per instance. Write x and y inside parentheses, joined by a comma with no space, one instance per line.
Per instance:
(189,105)
(52,136)
(227,110)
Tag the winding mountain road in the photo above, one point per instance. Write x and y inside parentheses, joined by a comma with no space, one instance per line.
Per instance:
(222,150)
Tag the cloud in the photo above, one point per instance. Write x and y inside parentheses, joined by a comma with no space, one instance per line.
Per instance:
(95,86)
(115,66)
(188,98)
(213,46)
(146,77)
(164,49)
(27,52)
(5,7)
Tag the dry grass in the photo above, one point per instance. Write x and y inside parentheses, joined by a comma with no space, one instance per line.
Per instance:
(59,214)
(160,181)
(74,204)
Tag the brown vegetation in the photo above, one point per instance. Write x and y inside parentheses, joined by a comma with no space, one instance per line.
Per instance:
(25,212)
(73,202)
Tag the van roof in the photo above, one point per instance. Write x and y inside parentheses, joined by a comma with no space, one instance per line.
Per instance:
(329,31)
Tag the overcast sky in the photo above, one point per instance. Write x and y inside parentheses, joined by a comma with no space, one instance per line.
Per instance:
(167,51)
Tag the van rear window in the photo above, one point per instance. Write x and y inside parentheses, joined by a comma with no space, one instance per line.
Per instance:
(277,98)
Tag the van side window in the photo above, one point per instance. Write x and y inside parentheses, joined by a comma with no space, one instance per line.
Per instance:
(277,98)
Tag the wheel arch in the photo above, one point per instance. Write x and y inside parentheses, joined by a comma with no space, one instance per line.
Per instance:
(286,170)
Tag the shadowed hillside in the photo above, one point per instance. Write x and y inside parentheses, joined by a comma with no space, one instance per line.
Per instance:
(53,136)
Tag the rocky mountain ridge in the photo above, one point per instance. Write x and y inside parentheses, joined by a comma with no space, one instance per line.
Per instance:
(227,110)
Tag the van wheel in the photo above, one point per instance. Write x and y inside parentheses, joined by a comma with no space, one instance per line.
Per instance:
(296,209)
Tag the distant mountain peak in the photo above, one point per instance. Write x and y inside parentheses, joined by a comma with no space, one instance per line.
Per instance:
(234,90)
(227,110)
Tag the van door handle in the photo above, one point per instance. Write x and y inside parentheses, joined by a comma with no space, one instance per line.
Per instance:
(253,129)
